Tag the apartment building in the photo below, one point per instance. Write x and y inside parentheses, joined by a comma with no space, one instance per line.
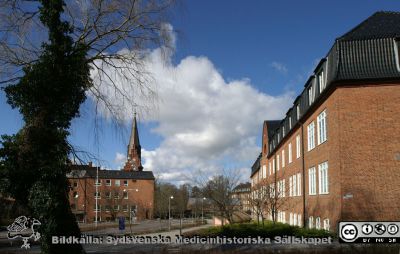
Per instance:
(104,195)
(241,194)
(336,154)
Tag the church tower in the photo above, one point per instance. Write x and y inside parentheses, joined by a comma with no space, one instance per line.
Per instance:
(134,158)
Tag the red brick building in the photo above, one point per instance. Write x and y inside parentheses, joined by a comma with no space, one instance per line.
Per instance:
(336,154)
(109,194)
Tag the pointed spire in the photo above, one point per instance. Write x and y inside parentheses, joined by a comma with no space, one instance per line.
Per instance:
(134,157)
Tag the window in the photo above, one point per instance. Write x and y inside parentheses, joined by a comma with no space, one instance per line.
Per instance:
(312,181)
(75,184)
(116,207)
(97,182)
(310,222)
(321,81)
(96,209)
(108,195)
(326,224)
(299,220)
(318,223)
(283,131)
(311,95)
(272,190)
(277,162)
(108,182)
(270,169)
(283,158)
(290,122)
(290,153)
(290,186)
(125,182)
(291,219)
(117,182)
(279,137)
(97,195)
(116,195)
(294,180)
(125,208)
(264,171)
(126,195)
(323,178)
(321,127)
(298,111)
(311,140)
(273,165)
(298,146)
(298,184)
(295,219)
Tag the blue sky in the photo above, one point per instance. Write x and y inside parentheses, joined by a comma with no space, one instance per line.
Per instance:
(263,50)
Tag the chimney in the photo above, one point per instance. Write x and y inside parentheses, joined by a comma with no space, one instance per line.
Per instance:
(90,164)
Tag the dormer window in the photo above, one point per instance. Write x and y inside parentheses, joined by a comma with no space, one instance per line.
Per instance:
(283,131)
(298,111)
(321,81)
(397,52)
(311,95)
(290,122)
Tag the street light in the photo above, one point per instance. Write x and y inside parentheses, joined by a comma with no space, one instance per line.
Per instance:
(169,212)
(130,209)
(202,214)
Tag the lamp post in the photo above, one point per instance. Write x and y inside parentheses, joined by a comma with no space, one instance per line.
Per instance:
(202,212)
(169,212)
(130,209)
(97,191)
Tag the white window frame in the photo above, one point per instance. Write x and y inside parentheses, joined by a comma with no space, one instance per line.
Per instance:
(311,136)
(97,195)
(291,219)
(299,220)
(117,183)
(295,219)
(290,186)
(108,182)
(298,111)
(321,127)
(277,162)
(290,153)
(283,131)
(298,184)
(311,94)
(264,171)
(97,182)
(125,195)
(312,181)
(298,145)
(327,224)
(126,183)
(310,222)
(290,122)
(321,81)
(318,223)
(323,178)
(273,165)
(283,158)
(270,168)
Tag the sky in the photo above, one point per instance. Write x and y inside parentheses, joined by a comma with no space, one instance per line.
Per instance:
(234,65)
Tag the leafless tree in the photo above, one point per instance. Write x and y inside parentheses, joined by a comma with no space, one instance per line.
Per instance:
(218,189)
(116,35)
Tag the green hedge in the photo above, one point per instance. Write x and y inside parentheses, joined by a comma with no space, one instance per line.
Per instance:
(268,230)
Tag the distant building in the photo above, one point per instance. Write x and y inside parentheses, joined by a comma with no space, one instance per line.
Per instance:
(336,154)
(241,194)
(128,193)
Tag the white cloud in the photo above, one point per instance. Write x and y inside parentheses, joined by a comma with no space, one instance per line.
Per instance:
(280,67)
(206,122)
(120,159)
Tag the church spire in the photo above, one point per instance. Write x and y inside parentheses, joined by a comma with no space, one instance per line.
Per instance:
(134,150)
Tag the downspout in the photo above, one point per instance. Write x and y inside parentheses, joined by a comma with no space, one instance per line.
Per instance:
(304,176)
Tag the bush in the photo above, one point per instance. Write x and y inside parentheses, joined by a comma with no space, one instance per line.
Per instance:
(268,230)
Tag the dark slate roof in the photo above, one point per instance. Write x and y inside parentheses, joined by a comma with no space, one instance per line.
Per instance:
(256,165)
(242,187)
(367,53)
(86,171)
(382,24)
(272,126)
